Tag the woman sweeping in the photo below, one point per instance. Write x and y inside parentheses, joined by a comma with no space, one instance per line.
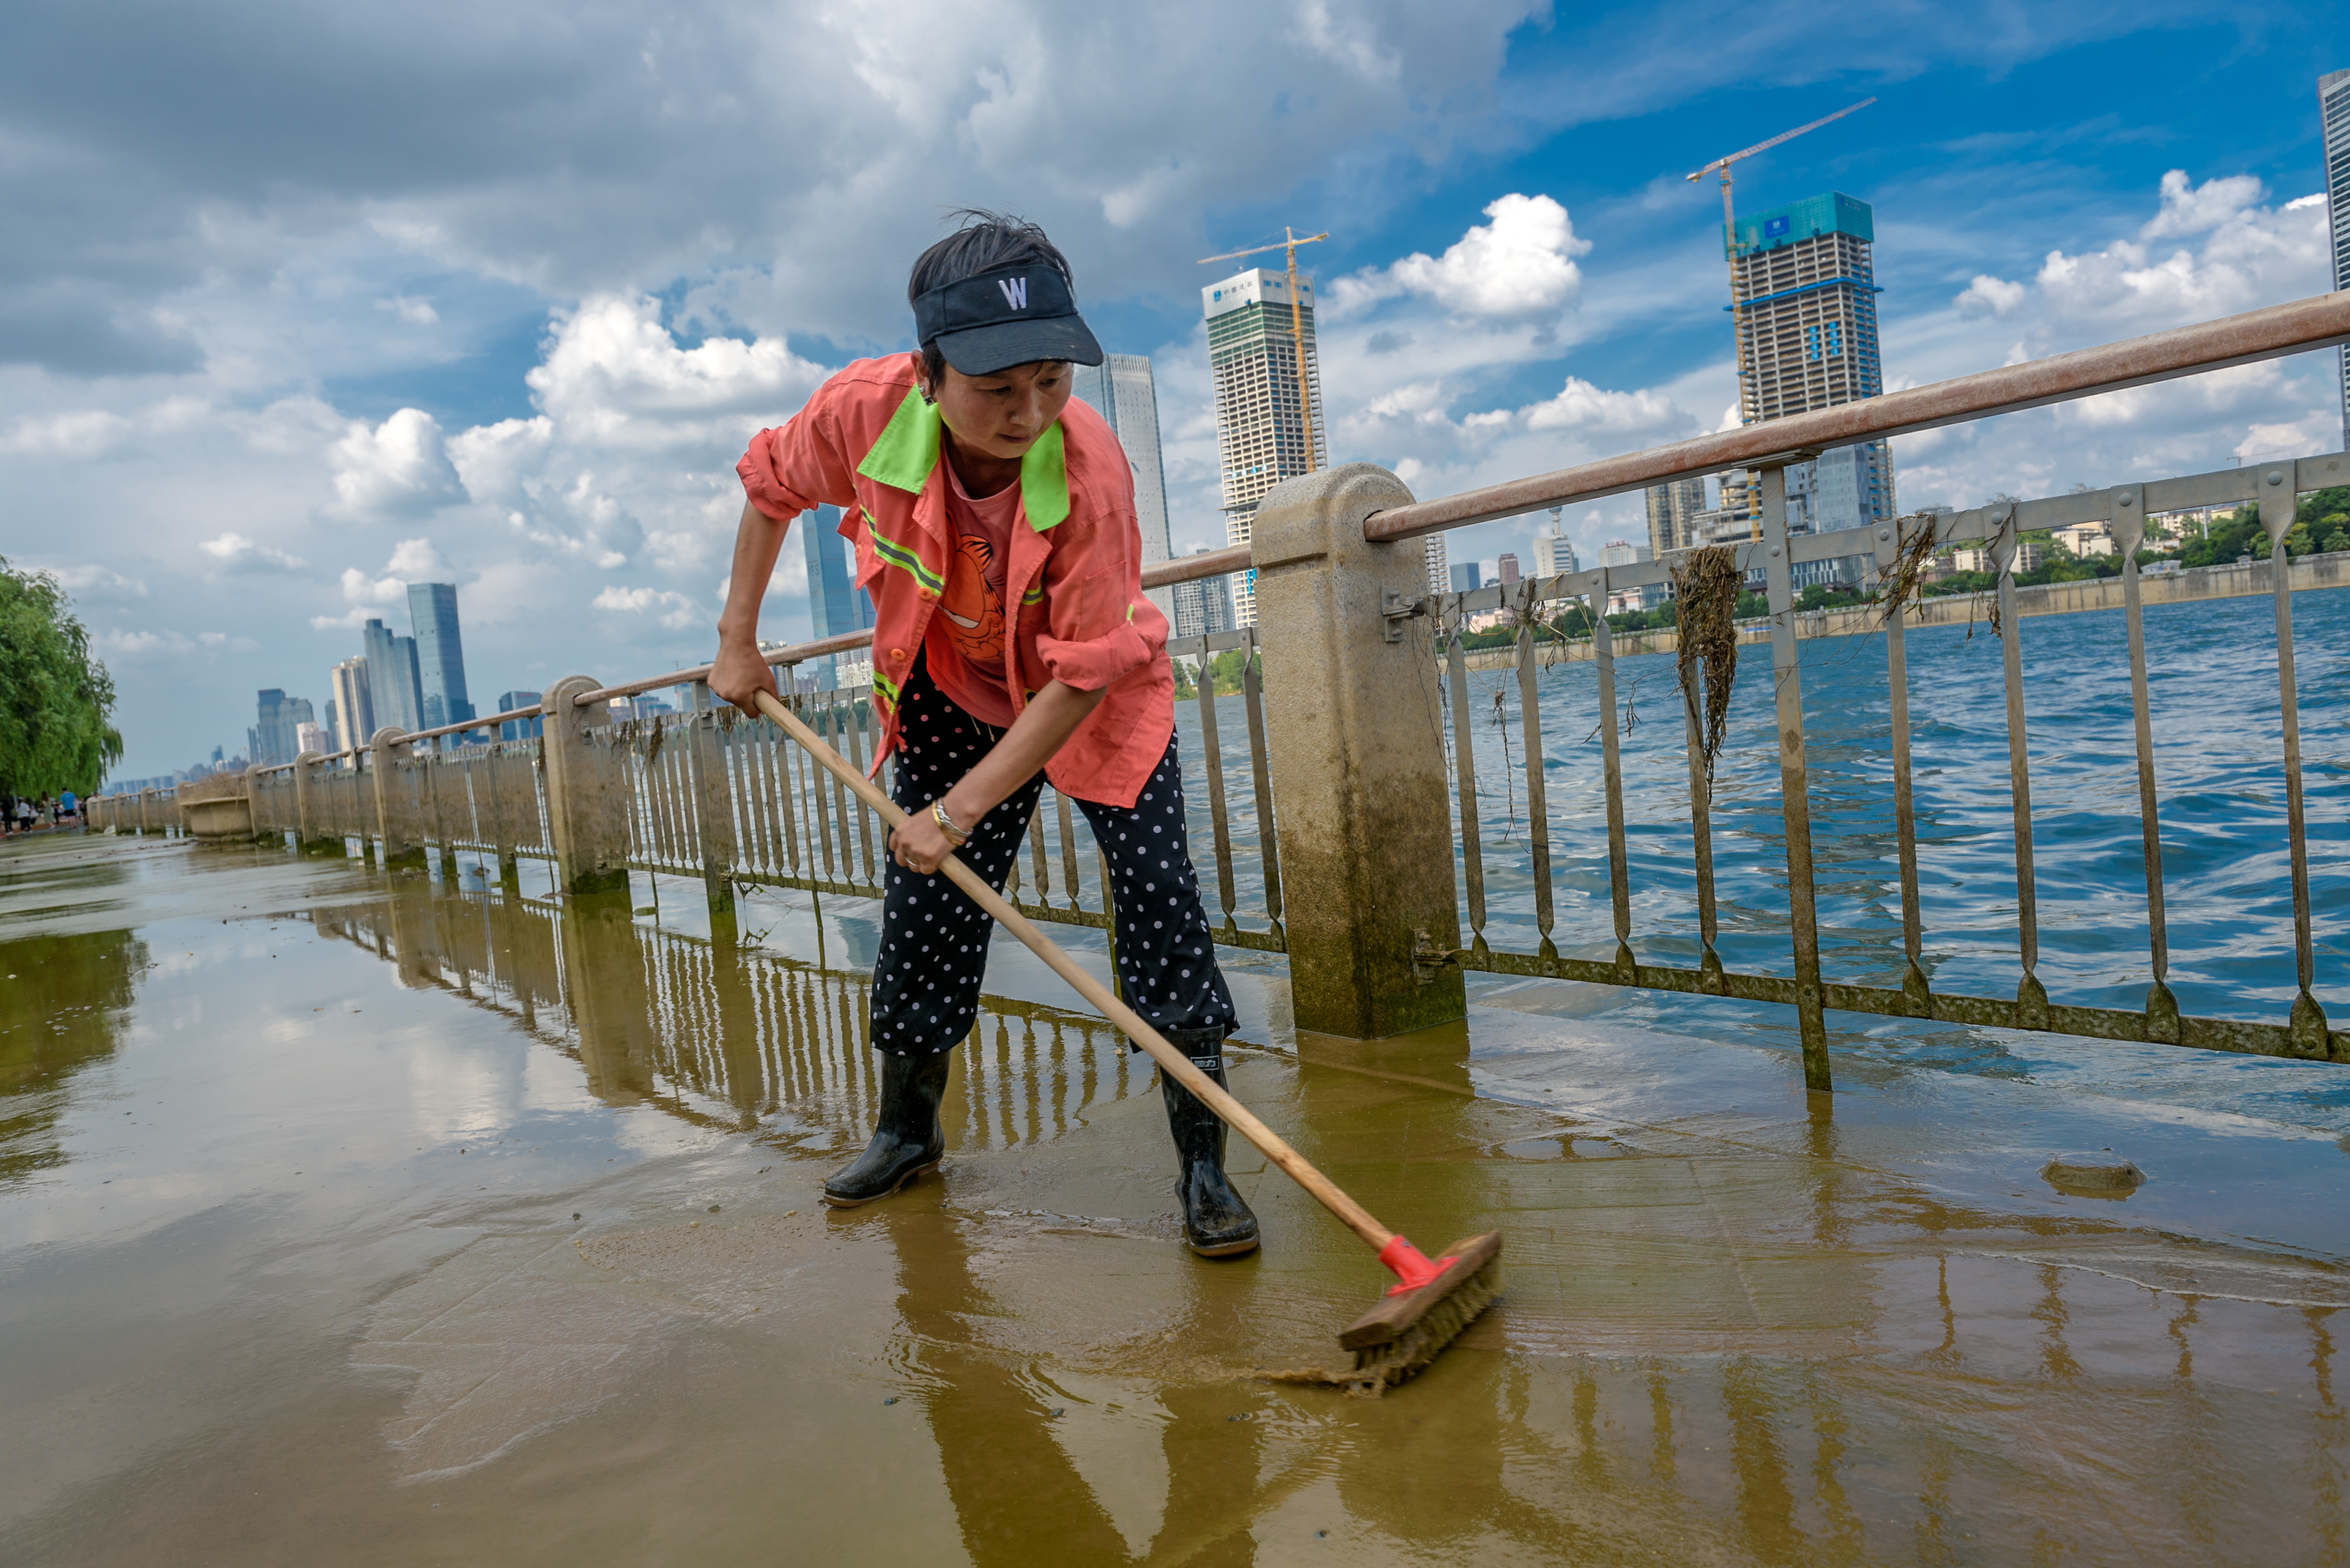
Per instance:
(995,526)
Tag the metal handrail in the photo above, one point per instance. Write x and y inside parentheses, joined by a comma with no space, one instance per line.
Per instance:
(2266,334)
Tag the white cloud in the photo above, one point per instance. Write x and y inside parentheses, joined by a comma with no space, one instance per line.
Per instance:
(234,550)
(399,468)
(2316,432)
(615,374)
(136,647)
(415,312)
(414,558)
(1521,265)
(1989,295)
(91,581)
(674,610)
(83,433)
(2191,209)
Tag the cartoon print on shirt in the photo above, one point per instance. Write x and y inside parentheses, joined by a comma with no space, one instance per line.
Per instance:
(974,607)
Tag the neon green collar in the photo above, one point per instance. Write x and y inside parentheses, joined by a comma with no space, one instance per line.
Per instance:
(908,452)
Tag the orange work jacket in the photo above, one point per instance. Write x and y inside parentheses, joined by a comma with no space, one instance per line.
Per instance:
(1074,607)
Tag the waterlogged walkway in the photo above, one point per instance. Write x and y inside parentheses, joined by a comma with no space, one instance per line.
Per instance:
(363,1219)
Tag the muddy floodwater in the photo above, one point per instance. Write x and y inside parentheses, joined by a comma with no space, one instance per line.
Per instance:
(358,1217)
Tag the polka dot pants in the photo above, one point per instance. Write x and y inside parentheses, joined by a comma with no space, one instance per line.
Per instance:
(933,954)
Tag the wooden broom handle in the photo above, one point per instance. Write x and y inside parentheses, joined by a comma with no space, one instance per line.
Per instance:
(1171,1062)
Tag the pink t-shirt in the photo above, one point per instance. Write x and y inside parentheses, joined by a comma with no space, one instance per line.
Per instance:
(964,645)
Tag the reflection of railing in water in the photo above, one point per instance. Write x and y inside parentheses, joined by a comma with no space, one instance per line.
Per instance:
(1775,552)
(722,1035)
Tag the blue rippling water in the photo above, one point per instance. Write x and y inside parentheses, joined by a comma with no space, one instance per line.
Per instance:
(2218,742)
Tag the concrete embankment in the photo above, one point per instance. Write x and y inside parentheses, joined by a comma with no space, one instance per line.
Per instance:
(2328,571)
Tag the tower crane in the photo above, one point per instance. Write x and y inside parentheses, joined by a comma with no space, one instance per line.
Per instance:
(1290,242)
(1730,228)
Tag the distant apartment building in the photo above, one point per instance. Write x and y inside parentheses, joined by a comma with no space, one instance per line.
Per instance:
(393,679)
(1439,569)
(1806,300)
(354,704)
(2333,109)
(439,654)
(1122,390)
(1202,605)
(1467,578)
(1673,511)
(312,738)
(1553,556)
(1624,553)
(520,729)
(1254,343)
(836,606)
(1507,569)
(275,737)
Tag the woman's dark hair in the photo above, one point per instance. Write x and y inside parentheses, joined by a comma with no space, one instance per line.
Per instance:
(984,242)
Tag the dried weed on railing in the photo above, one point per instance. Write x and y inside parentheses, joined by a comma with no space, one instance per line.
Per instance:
(1706,586)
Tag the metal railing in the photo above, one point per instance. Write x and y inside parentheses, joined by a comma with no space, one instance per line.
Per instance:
(2273,488)
(710,796)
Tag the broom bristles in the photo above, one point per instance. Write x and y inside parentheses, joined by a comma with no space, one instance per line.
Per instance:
(1382,1366)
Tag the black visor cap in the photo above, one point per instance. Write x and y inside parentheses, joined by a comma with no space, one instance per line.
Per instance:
(1011,315)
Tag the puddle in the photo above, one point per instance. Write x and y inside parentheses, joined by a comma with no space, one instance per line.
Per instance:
(363,1219)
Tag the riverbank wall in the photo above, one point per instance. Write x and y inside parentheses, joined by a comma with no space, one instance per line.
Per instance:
(2326,571)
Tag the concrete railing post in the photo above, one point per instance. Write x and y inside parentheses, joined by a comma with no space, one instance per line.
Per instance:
(586,801)
(1361,799)
(146,810)
(714,802)
(395,798)
(309,803)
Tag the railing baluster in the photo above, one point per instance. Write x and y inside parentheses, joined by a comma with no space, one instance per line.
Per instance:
(1890,541)
(1794,782)
(1701,830)
(1035,835)
(1260,762)
(1537,792)
(853,717)
(812,781)
(2031,996)
(1464,767)
(2128,525)
(2306,1025)
(1211,746)
(1611,755)
(1068,849)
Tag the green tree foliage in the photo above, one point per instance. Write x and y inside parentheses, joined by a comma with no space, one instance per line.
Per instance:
(56,702)
(1224,668)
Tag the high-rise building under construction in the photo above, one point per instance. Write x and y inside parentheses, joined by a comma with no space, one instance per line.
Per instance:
(1261,412)
(1805,297)
(1673,510)
(2334,112)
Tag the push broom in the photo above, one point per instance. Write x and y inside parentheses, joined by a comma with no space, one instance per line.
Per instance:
(1433,1299)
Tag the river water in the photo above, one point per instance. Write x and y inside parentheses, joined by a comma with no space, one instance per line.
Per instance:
(363,1217)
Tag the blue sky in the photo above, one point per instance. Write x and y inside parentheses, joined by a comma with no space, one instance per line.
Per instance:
(299,304)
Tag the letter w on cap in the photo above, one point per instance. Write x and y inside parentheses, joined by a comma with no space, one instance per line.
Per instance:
(1015,291)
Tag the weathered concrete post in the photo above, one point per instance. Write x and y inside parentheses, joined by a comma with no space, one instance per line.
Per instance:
(713,803)
(395,798)
(146,810)
(310,835)
(587,810)
(1359,790)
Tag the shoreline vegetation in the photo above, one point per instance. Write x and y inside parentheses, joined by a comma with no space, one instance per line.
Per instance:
(57,701)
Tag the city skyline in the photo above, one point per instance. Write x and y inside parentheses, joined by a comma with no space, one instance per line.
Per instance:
(548,418)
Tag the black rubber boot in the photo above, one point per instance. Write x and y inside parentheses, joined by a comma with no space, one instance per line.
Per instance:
(1216,1220)
(909,1141)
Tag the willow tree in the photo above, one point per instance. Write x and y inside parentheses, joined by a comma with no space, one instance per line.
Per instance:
(56,702)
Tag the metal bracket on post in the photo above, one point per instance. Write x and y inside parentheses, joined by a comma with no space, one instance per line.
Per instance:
(1395,609)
